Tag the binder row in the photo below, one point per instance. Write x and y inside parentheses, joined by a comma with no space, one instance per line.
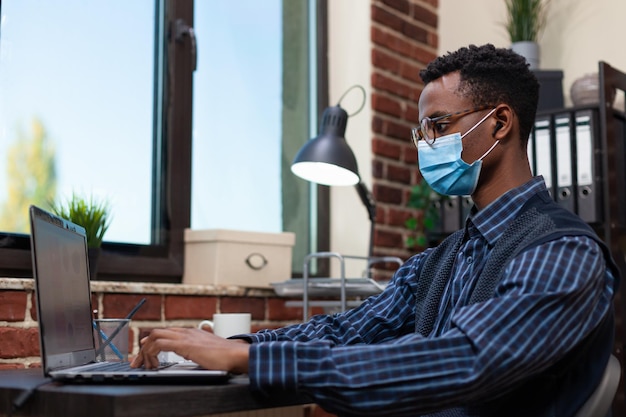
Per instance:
(564,147)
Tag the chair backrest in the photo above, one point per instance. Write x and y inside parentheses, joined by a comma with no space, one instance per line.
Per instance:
(600,401)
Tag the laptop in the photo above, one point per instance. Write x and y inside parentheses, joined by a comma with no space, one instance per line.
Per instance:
(63,297)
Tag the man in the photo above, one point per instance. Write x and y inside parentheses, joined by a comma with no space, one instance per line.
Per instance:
(510,316)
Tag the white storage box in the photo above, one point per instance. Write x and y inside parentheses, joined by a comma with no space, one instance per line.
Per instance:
(233,257)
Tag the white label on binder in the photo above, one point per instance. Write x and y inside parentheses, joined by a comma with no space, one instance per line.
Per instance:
(584,151)
(542,151)
(563,153)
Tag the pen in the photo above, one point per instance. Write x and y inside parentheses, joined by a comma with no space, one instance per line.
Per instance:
(130,315)
(103,337)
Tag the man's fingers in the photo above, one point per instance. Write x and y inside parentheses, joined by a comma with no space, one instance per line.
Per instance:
(157,341)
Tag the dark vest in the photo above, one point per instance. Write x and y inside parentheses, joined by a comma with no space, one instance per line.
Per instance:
(563,388)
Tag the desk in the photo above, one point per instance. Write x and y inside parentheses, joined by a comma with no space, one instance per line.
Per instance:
(55,399)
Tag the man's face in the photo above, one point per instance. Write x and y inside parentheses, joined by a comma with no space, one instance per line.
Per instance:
(441,97)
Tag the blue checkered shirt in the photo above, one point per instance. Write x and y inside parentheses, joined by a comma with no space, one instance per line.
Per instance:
(370,360)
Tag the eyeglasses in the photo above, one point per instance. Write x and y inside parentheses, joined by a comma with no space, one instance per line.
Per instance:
(427,130)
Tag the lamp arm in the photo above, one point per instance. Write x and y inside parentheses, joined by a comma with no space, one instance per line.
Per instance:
(367,199)
(370,205)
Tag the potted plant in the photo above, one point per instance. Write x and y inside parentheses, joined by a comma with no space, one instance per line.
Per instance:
(91,214)
(427,202)
(526,20)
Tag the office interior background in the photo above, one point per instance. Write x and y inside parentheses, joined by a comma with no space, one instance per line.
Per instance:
(577,36)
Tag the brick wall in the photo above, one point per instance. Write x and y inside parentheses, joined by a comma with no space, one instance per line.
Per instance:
(404,39)
(166,305)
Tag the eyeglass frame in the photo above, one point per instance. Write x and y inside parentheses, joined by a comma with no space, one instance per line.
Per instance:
(418,133)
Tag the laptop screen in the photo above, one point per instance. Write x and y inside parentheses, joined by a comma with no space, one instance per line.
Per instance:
(60,268)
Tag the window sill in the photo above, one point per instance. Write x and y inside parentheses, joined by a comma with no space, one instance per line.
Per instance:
(28,284)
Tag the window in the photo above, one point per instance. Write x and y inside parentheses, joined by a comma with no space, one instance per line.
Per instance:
(108,88)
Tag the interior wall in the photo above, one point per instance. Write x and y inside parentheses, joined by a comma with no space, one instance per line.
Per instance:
(578,33)
(349,65)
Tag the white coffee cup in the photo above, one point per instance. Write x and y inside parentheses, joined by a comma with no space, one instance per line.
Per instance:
(228,324)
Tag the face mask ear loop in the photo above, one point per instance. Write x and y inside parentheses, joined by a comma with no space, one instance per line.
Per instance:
(490,149)
(478,124)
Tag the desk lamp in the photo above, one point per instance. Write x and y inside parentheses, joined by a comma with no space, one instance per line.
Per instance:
(328,160)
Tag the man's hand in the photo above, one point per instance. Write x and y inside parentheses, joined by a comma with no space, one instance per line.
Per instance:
(201,347)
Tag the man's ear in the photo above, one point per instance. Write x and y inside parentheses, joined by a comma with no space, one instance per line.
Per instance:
(497,127)
(504,117)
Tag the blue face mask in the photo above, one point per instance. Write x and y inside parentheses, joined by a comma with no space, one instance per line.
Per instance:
(444,170)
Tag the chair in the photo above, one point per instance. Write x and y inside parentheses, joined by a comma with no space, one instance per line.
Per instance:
(600,401)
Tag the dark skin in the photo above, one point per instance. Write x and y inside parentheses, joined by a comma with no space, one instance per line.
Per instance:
(507,165)
(204,348)
(505,168)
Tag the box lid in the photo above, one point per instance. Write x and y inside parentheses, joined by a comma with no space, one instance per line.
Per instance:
(240,236)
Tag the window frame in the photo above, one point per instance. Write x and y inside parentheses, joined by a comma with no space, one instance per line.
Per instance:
(164,261)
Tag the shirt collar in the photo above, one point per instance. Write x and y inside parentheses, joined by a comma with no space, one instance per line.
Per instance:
(493,219)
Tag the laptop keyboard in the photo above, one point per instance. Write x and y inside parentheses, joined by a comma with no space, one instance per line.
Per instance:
(124,367)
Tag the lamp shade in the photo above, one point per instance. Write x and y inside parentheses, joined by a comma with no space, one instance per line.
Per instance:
(327,159)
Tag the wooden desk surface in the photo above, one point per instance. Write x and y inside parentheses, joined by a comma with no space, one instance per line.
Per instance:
(95,400)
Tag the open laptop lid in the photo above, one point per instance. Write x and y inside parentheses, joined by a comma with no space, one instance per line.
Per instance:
(61,272)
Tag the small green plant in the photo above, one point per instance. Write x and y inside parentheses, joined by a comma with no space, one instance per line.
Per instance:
(424,199)
(525,19)
(91,214)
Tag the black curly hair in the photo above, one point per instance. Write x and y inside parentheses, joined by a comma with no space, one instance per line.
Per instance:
(490,76)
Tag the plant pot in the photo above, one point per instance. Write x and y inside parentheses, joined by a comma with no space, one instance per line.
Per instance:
(529,50)
(93,255)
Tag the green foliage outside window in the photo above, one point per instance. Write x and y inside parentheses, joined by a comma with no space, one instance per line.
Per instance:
(30,177)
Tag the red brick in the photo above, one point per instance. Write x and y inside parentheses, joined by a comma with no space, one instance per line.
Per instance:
(189,307)
(385,61)
(33,307)
(94,302)
(387,194)
(12,305)
(254,306)
(392,130)
(386,104)
(433,40)
(386,148)
(399,131)
(256,327)
(410,71)
(394,86)
(397,216)
(18,343)
(386,18)
(399,174)
(119,305)
(278,311)
(415,32)
(410,156)
(424,15)
(389,239)
(403,42)
(421,54)
(391,41)
(402,6)
(378,168)
(5,366)
(411,114)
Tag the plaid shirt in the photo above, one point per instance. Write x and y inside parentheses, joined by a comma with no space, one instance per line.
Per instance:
(370,361)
